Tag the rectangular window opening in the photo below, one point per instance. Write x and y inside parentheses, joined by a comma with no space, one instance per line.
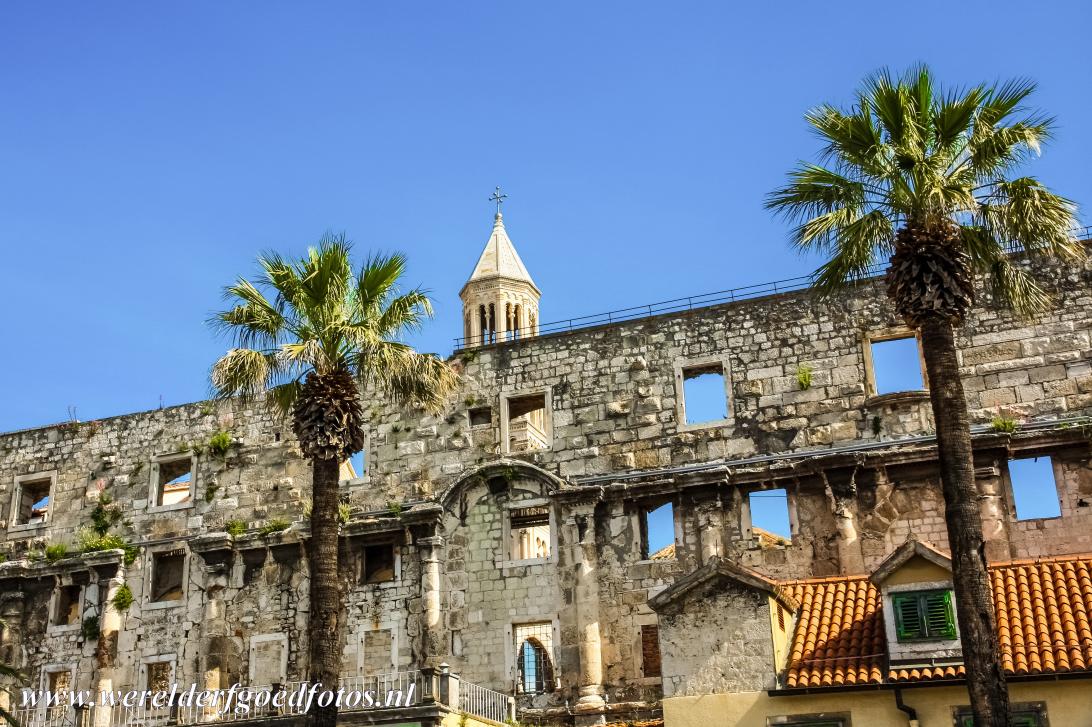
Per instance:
(1034,489)
(175,479)
(705,398)
(158,676)
(924,615)
(896,365)
(378,563)
(770,524)
(33,501)
(534,657)
(481,416)
(60,681)
(353,467)
(67,611)
(167,575)
(650,650)
(530,528)
(658,532)
(528,423)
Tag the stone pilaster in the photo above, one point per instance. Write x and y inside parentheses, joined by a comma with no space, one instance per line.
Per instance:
(431,588)
(590,704)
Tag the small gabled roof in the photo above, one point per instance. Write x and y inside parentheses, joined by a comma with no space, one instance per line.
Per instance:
(902,555)
(715,570)
(499,259)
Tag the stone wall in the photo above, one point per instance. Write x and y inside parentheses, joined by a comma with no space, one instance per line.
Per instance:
(858,469)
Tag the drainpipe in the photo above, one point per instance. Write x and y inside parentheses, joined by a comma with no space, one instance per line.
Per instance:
(911,713)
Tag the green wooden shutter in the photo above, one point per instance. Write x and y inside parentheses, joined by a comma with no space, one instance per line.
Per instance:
(938,614)
(908,622)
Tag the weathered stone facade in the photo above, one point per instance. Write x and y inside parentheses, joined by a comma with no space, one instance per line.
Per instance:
(442,491)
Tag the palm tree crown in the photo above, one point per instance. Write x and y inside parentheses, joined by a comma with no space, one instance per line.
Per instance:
(909,155)
(317,316)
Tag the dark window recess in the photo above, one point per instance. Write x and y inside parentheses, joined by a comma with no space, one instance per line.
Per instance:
(378,563)
(650,650)
(1031,716)
(167,571)
(780,617)
(924,615)
(481,416)
(808,722)
(68,606)
(33,501)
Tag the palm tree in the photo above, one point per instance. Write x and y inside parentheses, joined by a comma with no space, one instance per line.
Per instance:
(927,179)
(309,334)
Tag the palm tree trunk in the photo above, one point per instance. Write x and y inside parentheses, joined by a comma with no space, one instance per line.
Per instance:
(323,631)
(974,605)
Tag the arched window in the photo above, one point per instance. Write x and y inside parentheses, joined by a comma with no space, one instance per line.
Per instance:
(536,673)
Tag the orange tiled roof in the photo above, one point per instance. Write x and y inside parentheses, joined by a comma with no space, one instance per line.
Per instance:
(1044,622)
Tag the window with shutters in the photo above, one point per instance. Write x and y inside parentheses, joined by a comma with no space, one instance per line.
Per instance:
(650,650)
(1022,715)
(924,615)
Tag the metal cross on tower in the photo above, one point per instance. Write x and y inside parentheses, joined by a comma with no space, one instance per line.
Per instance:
(498,198)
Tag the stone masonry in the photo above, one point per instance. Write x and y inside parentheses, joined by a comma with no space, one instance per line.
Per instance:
(442,496)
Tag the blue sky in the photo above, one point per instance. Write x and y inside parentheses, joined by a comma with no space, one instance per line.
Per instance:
(148,151)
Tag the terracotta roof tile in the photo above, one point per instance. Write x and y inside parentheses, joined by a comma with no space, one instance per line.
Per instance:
(1044,623)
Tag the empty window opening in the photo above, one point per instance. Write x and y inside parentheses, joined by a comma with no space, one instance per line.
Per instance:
(355,465)
(924,615)
(33,503)
(167,575)
(378,563)
(770,524)
(704,397)
(528,426)
(1034,489)
(158,676)
(534,663)
(481,416)
(175,478)
(67,610)
(650,650)
(896,365)
(377,652)
(658,532)
(530,528)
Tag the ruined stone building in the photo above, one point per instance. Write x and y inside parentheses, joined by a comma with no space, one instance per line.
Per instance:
(517,538)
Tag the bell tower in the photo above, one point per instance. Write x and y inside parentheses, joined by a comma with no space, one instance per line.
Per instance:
(500,301)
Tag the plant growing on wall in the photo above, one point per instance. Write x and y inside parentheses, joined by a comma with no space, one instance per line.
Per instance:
(90,542)
(219,444)
(105,515)
(55,552)
(123,598)
(1002,424)
(274,525)
(803,376)
(90,628)
(925,179)
(235,528)
(308,334)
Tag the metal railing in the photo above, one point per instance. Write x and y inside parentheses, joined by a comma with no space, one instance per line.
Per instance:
(51,717)
(675,305)
(485,703)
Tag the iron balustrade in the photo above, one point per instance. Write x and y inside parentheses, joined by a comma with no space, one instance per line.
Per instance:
(678,305)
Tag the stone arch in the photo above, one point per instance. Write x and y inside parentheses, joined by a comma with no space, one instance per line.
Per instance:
(503,468)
